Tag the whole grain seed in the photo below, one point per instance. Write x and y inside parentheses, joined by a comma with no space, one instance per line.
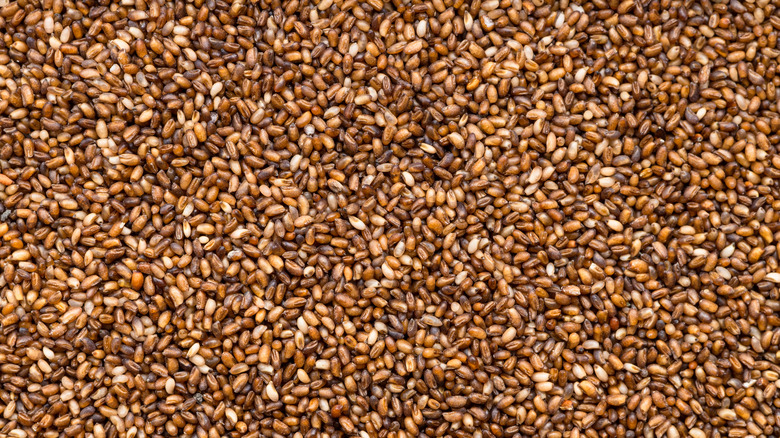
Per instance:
(294,218)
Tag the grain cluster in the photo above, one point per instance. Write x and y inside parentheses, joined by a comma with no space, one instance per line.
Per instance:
(389,219)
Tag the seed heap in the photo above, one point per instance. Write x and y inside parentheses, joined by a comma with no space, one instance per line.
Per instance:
(496,218)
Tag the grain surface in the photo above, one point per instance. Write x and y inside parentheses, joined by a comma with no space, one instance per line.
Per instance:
(389,219)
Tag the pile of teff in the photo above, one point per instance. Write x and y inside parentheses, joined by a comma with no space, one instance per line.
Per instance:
(343,218)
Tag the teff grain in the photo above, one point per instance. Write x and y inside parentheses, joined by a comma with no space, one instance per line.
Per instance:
(303,218)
